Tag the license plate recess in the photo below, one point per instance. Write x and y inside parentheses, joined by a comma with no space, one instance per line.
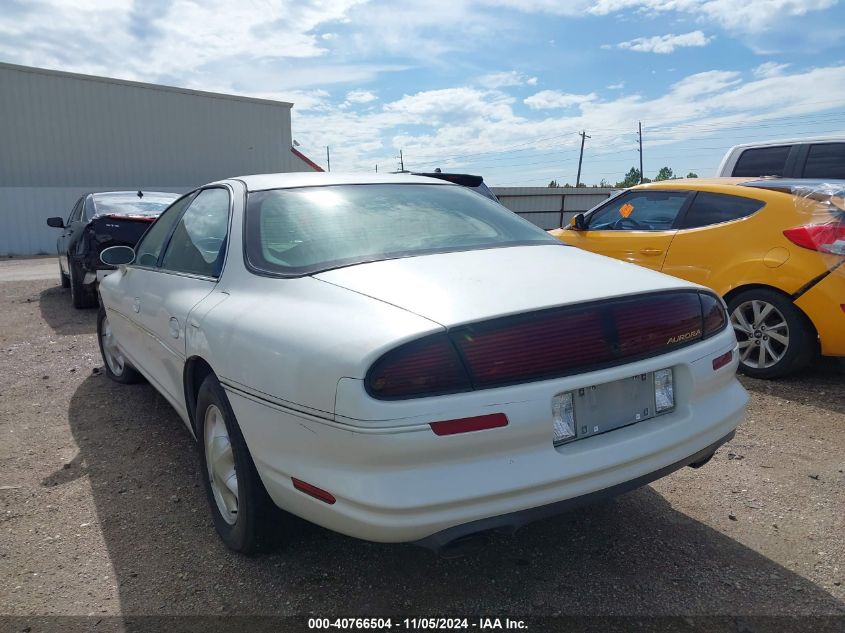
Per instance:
(612,405)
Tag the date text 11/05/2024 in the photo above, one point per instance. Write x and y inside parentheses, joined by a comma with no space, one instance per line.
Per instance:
(481,624)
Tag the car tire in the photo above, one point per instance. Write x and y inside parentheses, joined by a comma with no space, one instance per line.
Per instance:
(63,279)
(775,337)
(81,296)
(115,363)
(240,506)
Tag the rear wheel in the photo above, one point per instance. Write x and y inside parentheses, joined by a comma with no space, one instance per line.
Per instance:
(117,367)
(775,338)
(240,506)
(81,296)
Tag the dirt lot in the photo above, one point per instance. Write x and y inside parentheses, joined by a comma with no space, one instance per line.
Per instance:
(102,512)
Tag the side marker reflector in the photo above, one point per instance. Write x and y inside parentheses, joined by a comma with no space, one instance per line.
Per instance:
(721,361)
(467,425)
(314,491)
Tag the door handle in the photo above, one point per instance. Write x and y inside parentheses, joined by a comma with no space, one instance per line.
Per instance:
(136,305)
(651,251)
(174,327)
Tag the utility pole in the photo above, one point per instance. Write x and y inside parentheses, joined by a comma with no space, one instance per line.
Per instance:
(640,128)
(376,167)
(328,159)
(401,162)
(583,135)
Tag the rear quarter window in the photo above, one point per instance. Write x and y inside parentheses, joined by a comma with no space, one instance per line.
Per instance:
(825,160)
(762,161)
(715,208)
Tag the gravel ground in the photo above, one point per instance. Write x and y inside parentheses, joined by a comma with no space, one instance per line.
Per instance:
(102,512)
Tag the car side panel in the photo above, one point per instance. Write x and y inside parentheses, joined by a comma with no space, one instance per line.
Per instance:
(824,304)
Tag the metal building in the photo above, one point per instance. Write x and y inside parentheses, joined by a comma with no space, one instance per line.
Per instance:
(64,134)
(551,207)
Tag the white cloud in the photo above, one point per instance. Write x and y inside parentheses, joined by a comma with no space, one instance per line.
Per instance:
(617,86)
(360,96)
(506,79)
(548,99)
(156,41)
(665,44)
(770,69)
(749,16)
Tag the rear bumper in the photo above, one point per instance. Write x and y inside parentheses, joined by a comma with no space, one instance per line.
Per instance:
(823,305)
(516,520)
(405,484)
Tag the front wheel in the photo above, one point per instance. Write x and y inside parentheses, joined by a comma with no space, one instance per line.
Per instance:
(775,338)
(117,368)
(240,506)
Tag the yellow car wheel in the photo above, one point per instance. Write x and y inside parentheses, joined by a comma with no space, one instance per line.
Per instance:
(775,338)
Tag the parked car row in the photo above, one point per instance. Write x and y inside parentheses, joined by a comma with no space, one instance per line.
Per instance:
(399,358)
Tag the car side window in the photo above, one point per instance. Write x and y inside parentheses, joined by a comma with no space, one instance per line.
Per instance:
(762,161)
(198,245)
(825,160)
(715,208)
(639,211)
(76,212)
(149,248)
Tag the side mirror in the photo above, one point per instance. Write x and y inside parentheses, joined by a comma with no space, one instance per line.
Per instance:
(578,223)
(118,255)
(56,223)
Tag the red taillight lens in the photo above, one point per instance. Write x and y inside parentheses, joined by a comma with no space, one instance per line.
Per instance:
(546,344)
(314,491)
(467,425)
(714,313)
(825,238)
(646,325)
(532,346)
(427,367)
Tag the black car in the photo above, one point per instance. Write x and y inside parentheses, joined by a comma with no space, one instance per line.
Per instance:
(97,221)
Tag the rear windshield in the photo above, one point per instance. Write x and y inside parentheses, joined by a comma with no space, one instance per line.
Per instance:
(131,204)
(309,229)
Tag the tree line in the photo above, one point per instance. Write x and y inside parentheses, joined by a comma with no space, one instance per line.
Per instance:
(632,178)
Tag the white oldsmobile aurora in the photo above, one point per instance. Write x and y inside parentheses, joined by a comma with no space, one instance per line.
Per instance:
(398,358)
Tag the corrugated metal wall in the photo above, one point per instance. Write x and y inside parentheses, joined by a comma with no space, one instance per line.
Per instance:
(63,134)
(550,208)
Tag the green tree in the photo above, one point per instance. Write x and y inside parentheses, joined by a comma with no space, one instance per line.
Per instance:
(554,183)
(665,173)
(631,178)
(692,174)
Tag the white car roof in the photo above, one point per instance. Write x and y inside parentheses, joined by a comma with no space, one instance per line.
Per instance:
(791,141)
(262,182)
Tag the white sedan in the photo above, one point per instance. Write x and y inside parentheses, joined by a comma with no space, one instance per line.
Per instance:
(398,358)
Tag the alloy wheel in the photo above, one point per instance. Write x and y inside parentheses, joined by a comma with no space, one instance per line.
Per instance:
(111,352)
(762,333)
(220,461)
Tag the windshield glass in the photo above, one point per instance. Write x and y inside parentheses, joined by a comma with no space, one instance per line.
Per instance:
(309,229)
(130,204)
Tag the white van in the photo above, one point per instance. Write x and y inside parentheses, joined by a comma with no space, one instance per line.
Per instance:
(822,158)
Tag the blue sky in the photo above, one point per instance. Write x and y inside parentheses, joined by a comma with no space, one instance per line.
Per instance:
(496,87)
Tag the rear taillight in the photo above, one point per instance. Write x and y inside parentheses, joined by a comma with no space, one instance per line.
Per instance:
(825,238)
(714,314)
(427,367)
(546,344)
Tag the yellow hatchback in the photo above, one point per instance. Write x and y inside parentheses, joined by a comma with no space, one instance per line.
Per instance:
(774,249)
